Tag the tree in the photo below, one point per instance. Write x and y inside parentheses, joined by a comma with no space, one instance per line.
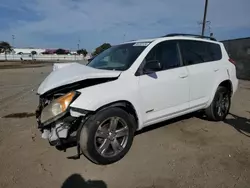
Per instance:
(5,48)
(101,48)
(61,51)
(82,51)
(33,53)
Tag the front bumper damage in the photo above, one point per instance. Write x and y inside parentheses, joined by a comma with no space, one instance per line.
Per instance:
(63,132)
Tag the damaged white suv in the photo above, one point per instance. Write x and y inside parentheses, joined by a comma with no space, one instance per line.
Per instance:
(100,106)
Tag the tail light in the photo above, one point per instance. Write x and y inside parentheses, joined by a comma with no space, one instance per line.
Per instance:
(232,61)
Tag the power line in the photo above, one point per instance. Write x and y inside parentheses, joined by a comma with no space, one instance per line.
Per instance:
(207,26)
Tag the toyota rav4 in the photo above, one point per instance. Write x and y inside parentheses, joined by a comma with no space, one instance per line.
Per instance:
(100,106)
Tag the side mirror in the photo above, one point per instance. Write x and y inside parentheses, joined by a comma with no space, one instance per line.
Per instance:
(152,66)
(90,59)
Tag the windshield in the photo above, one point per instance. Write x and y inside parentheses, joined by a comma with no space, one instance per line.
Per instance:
(119,57)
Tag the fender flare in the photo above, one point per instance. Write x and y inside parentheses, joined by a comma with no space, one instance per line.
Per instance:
(215,89)
(126,105)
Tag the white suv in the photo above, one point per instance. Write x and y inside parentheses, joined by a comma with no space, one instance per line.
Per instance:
(130,86)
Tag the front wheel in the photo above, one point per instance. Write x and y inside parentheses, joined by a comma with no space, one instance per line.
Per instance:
(219,108)
(107,136)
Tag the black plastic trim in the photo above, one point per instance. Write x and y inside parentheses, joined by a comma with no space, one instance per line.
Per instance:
(191,35)
(81,111)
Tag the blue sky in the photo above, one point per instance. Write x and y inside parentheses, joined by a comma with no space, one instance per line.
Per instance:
(61,23)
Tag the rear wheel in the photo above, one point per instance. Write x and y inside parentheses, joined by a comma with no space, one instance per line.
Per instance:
(219,108)
(107,136)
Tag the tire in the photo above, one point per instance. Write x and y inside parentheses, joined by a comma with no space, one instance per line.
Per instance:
(98,133)
(213,112)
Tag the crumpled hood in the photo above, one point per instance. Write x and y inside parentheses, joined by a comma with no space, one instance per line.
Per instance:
(73,73)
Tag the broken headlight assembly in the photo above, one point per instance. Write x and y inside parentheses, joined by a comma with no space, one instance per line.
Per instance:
(58,107)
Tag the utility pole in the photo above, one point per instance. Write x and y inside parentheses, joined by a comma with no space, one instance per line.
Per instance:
(124,35)
(78,44)
(13,40)
(13,43)
(204,18)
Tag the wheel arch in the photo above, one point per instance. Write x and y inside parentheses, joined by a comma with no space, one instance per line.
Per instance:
(226,83)
(126,106)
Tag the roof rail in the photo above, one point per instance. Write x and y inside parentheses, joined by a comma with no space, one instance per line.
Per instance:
(191,35)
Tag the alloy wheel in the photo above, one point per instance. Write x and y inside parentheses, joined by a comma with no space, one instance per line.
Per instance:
(111,137)
(222,104)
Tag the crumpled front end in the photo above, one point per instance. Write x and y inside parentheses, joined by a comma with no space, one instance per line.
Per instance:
(58,122)
(61,129)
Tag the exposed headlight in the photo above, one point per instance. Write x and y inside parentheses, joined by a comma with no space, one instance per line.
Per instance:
(58,107)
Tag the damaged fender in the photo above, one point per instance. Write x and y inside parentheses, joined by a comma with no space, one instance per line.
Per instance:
(108,93)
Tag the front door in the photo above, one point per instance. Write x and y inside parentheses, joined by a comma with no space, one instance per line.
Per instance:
(164,92)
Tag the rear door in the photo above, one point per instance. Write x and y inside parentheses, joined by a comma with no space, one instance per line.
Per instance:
(201,61)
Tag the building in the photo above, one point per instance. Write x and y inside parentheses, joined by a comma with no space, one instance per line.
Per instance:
(239,50)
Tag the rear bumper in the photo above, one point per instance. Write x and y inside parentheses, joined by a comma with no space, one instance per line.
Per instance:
(234,80)
(235,84)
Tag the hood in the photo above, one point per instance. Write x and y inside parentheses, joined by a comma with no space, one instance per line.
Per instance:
(73,73)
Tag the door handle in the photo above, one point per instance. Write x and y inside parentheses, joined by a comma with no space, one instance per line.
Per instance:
(183,75)
(216,69)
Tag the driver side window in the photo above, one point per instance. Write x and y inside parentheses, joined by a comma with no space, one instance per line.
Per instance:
(152,58)
(165,54)
(153,55)
(106,58)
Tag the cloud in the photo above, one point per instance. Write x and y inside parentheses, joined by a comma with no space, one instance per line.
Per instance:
(61,23)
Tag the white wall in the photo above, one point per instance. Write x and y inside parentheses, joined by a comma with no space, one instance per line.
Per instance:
(28,50)
(43,57)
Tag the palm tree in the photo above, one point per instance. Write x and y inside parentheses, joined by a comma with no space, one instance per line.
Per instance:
(5,48)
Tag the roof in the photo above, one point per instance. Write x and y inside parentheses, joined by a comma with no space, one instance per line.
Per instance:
(173,37)
(142,40)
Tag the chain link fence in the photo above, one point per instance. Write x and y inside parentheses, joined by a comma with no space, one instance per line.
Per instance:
(52,57)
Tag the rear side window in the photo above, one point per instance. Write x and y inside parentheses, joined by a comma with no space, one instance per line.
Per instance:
(215,51)
(195,52)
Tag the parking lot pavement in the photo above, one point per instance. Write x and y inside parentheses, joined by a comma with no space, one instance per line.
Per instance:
(185,152)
